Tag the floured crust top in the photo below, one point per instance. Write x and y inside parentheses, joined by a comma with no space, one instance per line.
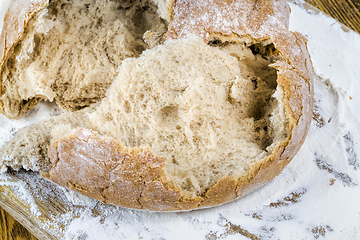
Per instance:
(207,19)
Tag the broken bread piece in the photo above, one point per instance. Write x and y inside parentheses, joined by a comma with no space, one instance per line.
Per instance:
(69,51)
(28,148)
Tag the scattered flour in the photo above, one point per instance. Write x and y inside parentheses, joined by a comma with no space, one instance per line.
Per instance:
(23,193)
(315,197)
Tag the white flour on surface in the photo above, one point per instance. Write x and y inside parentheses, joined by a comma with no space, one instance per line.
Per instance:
(315,197)
(4,5)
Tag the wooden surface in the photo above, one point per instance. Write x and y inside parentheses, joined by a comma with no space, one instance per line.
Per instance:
(345,11)
(11,229)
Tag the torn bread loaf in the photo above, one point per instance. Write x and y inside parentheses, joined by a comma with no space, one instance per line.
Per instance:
(69,51)
(197,121)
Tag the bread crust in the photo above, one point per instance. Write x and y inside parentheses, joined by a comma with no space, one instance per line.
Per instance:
(228,19)
(15,21)
(130,177)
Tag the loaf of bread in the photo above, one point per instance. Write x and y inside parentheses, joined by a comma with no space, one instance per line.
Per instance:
(210,114)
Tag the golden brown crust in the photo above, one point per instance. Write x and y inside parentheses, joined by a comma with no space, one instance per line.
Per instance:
(15,21)
(136,178)
(223,191)
(104,170)
(254,18)
(292,46)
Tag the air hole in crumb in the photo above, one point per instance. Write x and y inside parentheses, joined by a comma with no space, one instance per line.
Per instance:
(167,116)
(145,8)
(215,42)
(140,48)
(173,160)
(127,107)
(187,185)
(235,55)
(141,19)
(254,81)
(17,49)
(267,52)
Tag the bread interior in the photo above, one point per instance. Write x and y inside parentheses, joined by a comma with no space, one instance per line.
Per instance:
(211,109)
(71,50)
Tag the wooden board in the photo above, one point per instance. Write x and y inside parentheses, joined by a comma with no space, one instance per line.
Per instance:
(10,229)
(21,210)
(345,11)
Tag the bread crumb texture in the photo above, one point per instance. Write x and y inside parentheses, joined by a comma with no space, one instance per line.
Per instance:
(70,51)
